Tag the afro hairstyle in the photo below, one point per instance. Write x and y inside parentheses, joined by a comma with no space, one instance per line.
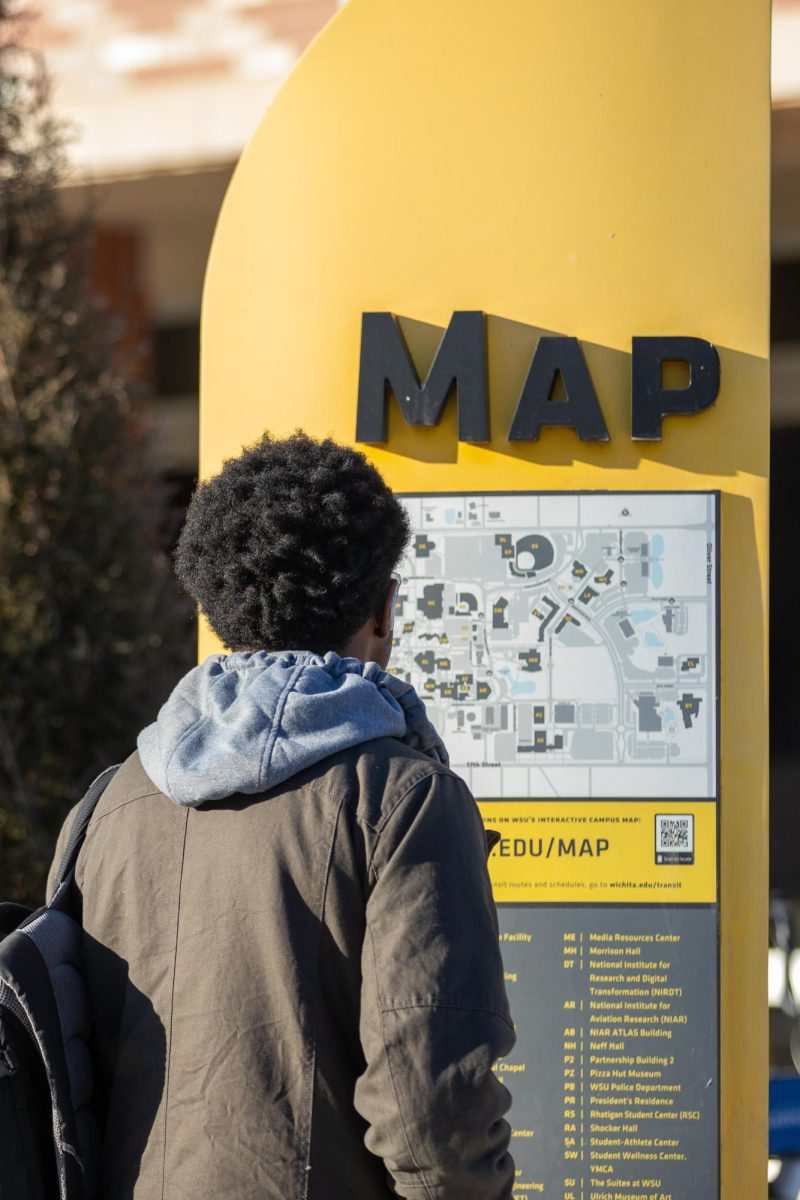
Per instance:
(291,546)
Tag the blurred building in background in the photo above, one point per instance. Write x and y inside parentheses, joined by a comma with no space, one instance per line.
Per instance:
(165,93)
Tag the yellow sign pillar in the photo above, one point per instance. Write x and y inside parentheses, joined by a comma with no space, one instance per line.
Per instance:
(597,170)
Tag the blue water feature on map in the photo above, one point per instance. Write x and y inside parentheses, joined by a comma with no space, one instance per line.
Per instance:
(652,639)
(519,687)
(640,615)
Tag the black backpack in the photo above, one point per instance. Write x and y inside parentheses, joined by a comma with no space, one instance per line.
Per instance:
(49,1135)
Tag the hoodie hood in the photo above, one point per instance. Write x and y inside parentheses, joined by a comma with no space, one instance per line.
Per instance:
(244,722)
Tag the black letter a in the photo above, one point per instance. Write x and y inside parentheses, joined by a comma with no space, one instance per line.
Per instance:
(581,411)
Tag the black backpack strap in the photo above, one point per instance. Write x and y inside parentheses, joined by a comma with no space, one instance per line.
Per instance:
(82,818)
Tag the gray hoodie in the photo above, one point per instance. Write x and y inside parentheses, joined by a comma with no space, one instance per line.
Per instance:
(242,723)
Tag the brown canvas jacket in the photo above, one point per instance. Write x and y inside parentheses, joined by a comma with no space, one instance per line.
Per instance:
(298,995)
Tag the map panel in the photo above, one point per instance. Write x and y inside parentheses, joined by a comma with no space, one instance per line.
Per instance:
(565,644)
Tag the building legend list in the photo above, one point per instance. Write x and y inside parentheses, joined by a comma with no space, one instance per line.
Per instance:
(617,1075)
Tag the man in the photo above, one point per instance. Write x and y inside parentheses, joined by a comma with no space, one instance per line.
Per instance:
(290,935)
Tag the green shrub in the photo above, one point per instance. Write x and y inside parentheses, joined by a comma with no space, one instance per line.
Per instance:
(92,630)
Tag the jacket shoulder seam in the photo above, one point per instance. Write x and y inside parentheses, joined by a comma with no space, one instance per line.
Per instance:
(345,795)
(122,804)
(429,773)
(435,770)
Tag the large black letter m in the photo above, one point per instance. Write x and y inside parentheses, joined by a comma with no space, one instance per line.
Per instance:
(459,365)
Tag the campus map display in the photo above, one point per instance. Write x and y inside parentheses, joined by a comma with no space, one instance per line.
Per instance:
(565,643)
(566,647)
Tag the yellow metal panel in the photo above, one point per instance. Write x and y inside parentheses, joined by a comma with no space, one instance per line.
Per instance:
(563,851)
(595,168)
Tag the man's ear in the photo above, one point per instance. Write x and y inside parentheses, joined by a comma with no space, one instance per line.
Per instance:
(385,618)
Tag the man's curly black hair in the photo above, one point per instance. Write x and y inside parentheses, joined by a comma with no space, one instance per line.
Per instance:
(291,546)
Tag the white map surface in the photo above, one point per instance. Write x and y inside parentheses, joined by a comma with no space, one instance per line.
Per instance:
(566,644)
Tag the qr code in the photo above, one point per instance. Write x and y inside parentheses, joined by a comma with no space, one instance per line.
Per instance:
(674,839)
(673,833)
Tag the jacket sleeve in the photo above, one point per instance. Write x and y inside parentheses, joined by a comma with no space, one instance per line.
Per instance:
(434,1016)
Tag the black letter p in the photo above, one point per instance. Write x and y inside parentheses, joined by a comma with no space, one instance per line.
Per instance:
(650,400)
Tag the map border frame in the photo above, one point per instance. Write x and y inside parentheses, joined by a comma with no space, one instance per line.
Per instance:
(716,494)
